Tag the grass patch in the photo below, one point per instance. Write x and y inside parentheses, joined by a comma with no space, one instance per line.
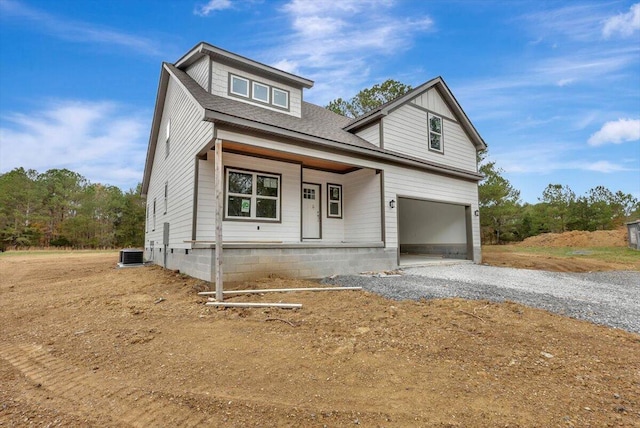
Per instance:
(41,252)
(607,254)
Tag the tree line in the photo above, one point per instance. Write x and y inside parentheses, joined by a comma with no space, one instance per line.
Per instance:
(62,208)
(503,218)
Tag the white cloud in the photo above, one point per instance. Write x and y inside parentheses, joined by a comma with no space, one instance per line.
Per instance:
(211,6)
(624,24)
(335,42)
(602,166)
(77,31)
(103,141)
(616,132)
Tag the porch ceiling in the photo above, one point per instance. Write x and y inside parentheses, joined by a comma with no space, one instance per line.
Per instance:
(306,161)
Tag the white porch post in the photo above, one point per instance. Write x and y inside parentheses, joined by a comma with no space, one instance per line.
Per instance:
(219,186)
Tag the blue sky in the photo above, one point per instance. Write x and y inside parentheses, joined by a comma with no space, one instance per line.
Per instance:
(553,87)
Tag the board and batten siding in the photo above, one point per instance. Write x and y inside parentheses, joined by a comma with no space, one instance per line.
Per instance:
(371,134)
(188,134)
(361,200)
(287,230)
(199,71)
(432,101)
(406,131)
(220,86)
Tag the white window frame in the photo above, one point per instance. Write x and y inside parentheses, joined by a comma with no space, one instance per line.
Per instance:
(431,132)
(273,98)
(253,196)
(253,92)
(166,196)
(331,201)
(167,139)
(154,214)
(240,94)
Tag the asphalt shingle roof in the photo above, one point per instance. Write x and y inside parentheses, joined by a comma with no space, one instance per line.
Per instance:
(316,121)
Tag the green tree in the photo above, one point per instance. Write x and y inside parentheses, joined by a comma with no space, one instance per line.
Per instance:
(499,204)
(601,208)
(130,225)
(558,200)
(62,199)
(20,208)
(369,99)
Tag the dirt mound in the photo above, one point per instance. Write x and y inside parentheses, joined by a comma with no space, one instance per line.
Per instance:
(579,238)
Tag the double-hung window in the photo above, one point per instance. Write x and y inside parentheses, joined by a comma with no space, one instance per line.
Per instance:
(436,142)
(334,194)
(252,195)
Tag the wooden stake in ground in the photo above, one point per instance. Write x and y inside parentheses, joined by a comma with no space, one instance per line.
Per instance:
(219,206)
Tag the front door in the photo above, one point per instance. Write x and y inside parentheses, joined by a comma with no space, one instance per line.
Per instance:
(310,211)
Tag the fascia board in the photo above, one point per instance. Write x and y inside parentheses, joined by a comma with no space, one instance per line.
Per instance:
(385,156)
(155,126)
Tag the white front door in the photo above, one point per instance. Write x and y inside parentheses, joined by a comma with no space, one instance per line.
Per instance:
(310,211)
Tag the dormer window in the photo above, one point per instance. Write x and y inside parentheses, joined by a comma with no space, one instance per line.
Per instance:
(280,98)
(260,92)
(239,86)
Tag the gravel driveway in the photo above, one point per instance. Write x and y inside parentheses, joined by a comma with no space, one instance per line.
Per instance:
(609,298)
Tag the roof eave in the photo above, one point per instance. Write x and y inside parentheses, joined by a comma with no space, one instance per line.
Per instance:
(218,117)
(204,48)
(155,126)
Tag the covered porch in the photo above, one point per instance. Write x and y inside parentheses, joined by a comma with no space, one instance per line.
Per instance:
(289,214)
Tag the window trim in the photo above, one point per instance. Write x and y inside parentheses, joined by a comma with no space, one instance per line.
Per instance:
(253,92)
(429,132)
(239,94)
(166,197)
(167,139)
(330,201)
(250,95)
(273,97)
(254,196)
(154,215)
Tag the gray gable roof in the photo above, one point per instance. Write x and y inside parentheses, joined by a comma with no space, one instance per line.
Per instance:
(446,94)
(316,126)
(316,121)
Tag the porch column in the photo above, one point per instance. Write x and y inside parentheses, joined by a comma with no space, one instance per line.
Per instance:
(219,186)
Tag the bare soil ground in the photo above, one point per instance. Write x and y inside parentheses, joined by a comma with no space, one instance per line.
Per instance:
(86,344)
(575,251)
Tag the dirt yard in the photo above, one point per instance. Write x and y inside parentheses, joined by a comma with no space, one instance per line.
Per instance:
(575,251)
(86,344)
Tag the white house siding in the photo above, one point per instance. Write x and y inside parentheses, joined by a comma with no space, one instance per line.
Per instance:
(361,200)
(287,230)
(332,228)
(371,134)
(188,135)
(398,180)
(405,131)
(220,86)
(199,71)
(401,182)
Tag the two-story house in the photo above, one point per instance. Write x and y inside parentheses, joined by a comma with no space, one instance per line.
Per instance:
(302,191)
